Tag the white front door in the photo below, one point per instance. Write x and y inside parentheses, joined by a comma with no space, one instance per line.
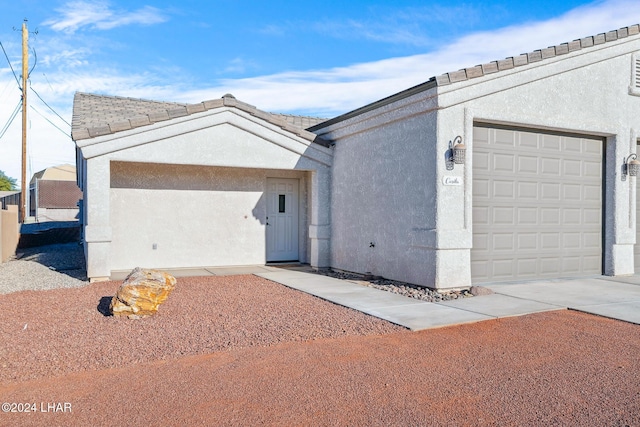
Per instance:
(282,219)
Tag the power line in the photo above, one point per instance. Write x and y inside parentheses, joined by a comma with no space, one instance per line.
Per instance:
(50,122)
(45,103)
(10,66)
(13,116)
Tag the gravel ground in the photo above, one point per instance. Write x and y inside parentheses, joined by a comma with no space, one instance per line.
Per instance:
(242,350)
(557,368)
(401,288)
(45,267)
(68,328)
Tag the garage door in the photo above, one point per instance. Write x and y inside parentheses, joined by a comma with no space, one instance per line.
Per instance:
(537,205)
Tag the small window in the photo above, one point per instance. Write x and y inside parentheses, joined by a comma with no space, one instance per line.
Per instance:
(634,88)
(281,203)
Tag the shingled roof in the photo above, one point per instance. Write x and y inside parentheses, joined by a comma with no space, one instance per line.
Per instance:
(97,115)
(490,68)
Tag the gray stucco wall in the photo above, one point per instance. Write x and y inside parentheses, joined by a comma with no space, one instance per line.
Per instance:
(405,141)
(383,193)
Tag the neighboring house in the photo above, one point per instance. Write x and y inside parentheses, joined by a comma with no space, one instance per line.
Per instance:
(54,194)
(543,191)
(8,198)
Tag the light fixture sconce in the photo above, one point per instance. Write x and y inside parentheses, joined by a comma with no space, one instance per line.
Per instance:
(631,166)
(456,153)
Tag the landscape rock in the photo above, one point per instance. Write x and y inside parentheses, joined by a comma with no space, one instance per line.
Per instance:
(480,290)
(141,293)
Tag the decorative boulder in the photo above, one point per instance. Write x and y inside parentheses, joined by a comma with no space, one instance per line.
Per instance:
(141,293)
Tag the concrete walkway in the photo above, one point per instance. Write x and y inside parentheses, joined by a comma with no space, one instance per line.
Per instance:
(617,298)
(614,297)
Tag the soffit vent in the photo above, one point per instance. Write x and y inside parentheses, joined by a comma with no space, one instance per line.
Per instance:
(634,89)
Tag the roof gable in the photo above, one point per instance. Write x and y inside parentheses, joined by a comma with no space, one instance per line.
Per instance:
(98,115)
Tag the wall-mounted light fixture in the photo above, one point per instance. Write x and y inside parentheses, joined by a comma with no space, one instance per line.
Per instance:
(631,166)
(456,153)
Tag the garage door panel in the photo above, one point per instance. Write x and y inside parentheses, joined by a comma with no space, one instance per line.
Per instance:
(503,216)
(481,189)
(550,142)
(503,189)
(528,164)
(504,138)
(527,216)
(550,192)
(503,242)
(550,216)
(571,216)
(572,144)
(572,240)
(542,220)
(550,167)
(503,162)
(527,190)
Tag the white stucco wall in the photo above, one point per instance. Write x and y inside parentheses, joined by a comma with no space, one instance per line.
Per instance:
(195,216)
(586,92)
(187,185)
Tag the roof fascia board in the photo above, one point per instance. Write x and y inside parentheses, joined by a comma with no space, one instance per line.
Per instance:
(423,87)
(417,103)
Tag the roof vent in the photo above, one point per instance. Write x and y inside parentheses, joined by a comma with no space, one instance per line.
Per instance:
(228,95)
(634,88)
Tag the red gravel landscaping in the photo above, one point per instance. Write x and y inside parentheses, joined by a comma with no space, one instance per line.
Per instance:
(242,350)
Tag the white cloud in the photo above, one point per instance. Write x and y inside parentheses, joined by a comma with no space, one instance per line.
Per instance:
(99,15)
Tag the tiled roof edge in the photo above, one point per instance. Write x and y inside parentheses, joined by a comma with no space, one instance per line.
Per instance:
(182,110)
(484,69)
(535,56)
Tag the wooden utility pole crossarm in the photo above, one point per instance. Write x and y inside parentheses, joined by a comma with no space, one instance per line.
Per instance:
(25,75)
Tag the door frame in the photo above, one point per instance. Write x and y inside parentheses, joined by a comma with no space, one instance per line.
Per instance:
(271,256)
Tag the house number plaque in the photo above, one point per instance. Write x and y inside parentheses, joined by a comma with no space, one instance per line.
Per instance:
(452,180)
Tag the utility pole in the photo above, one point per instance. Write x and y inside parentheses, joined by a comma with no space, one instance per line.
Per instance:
(25,76)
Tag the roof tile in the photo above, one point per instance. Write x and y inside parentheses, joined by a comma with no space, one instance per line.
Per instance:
(491,67)
(442,80)
(138,121)
(586,42)
(548,52)
(574,45)
(159,116)
(562,49)
(120,126)
(177,112)
(474,72)
(457,76)
(520,60)
(505,64)
(195,108)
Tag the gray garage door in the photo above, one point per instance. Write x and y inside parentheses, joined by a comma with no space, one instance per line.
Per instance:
(537,205)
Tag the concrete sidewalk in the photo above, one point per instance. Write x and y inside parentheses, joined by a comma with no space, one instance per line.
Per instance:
(614,297)
(617,298)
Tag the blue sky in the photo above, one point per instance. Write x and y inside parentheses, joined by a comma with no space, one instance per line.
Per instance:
(305,57)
